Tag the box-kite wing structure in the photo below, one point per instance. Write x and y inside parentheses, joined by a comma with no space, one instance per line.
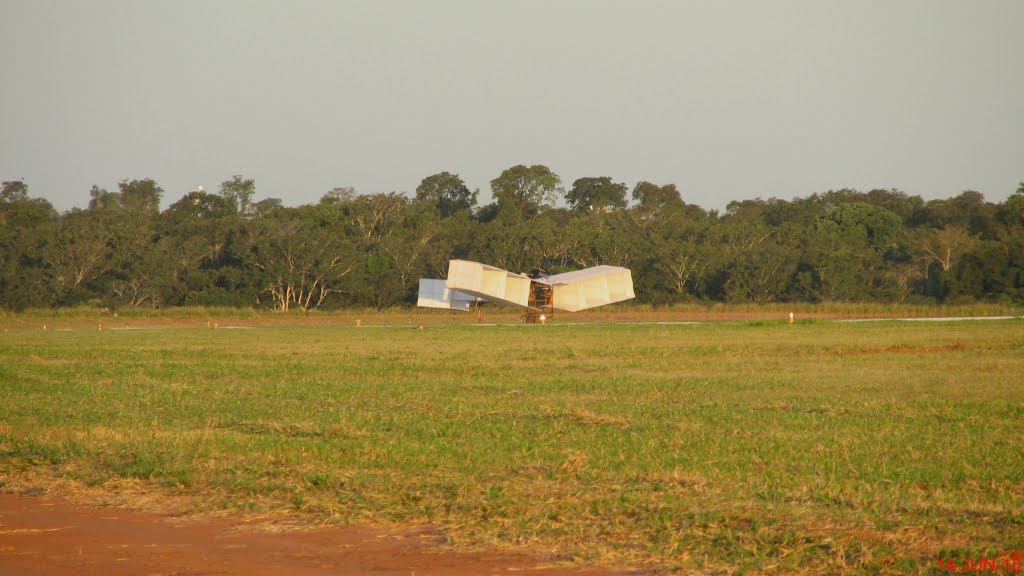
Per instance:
(487,282)
(572,291)
(589,288)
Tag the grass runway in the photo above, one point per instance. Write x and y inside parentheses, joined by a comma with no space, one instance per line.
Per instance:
(757,447)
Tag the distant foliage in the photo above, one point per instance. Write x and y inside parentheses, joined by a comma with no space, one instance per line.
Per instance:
(351,249)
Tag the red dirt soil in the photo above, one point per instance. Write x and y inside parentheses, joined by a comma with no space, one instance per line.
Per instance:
(52,537)
(409,319)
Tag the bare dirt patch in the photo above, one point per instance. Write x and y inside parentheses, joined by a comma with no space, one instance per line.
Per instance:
(54,537)
(412,319)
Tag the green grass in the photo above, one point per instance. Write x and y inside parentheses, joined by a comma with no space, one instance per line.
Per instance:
(742,447)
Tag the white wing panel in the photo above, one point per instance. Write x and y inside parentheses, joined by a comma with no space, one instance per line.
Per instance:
(435,294)
(592,287)
(488,282)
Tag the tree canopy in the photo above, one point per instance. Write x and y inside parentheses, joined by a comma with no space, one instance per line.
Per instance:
(446,193)
(522,190)
(596,195)
(350,249)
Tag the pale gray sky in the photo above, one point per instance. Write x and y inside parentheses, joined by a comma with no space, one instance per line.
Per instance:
(728,99)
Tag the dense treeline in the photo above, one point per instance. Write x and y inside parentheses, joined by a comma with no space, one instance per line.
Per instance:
(226,249)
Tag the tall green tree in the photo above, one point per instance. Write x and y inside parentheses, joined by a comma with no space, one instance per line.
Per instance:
(522,190)
(19,211)
(140,195)
(299,262)
(267,207)
(338,194)
(103,199)
(137,263)
(505,244)
(1011,212)
(78,252)
(651,197)
(681,248)
(596,194)
(26,226)
(943,246)
(446,193)
(239,191)
(198,205)
(13,191)
(607,238)
(859,220)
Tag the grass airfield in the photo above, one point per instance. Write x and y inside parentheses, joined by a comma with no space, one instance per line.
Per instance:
(743,446)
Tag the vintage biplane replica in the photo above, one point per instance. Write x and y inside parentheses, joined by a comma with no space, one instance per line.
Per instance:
(538,294)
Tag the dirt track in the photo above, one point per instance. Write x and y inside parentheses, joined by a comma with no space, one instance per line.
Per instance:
(40,536)
(410,319)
